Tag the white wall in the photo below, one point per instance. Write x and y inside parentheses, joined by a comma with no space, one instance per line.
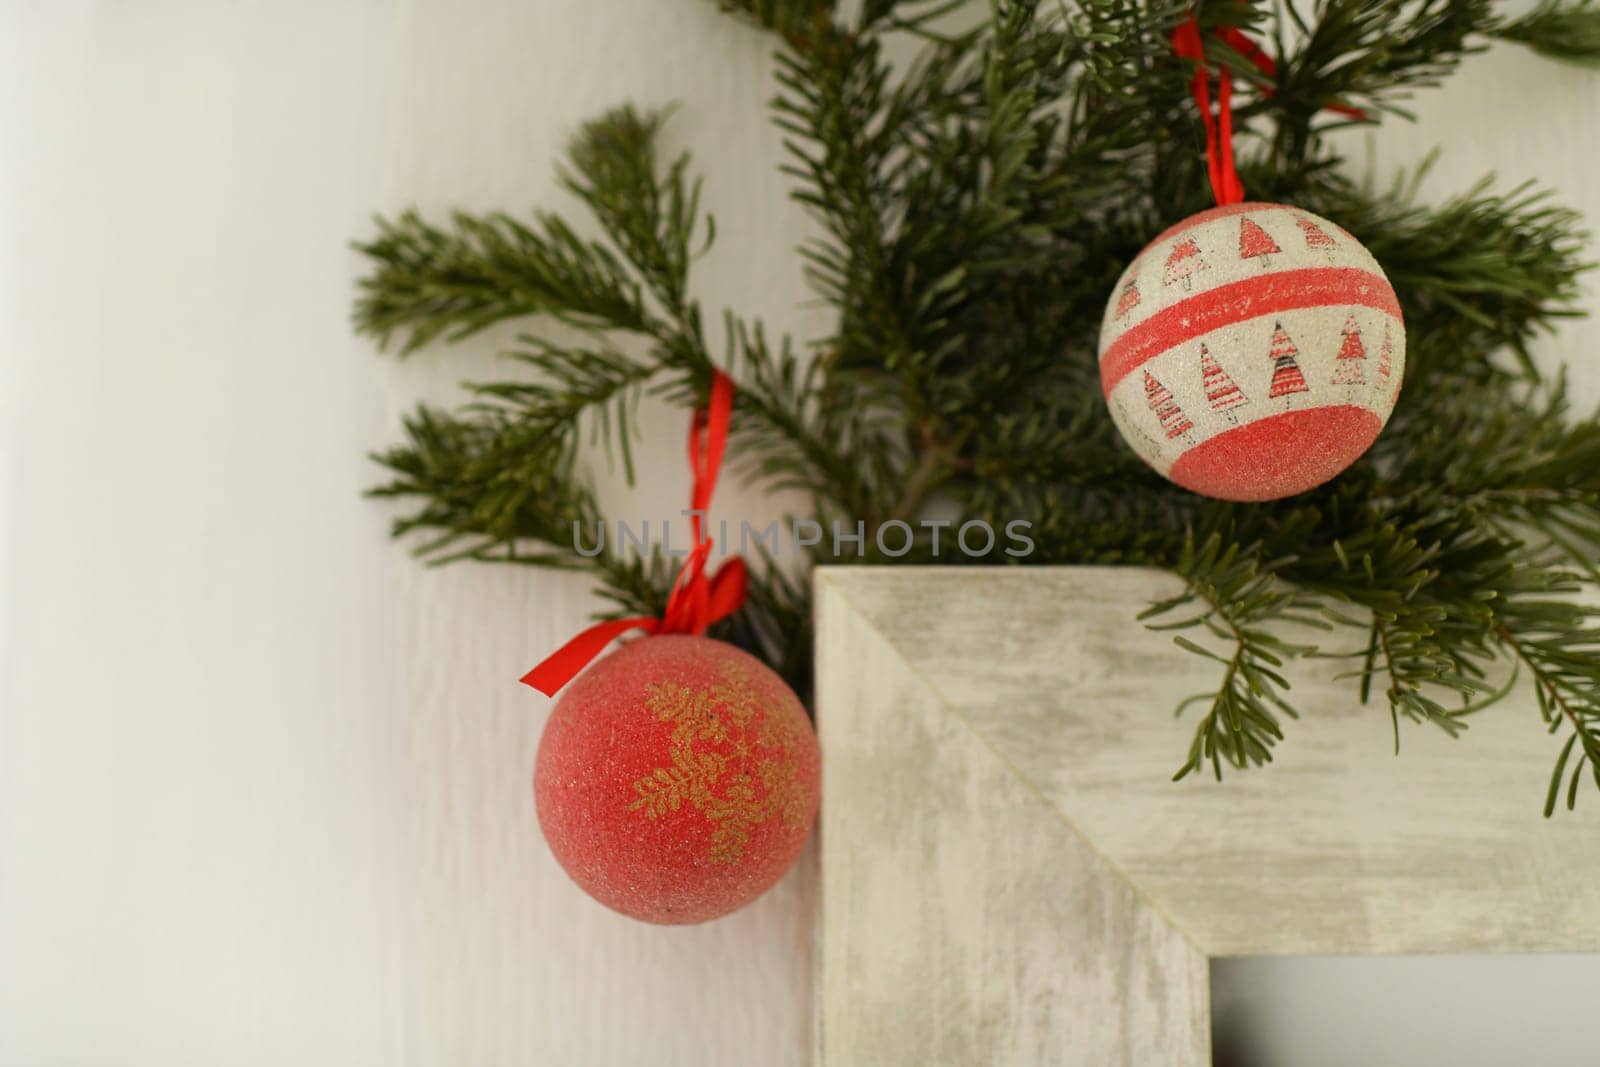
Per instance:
(264,781)
(202,785)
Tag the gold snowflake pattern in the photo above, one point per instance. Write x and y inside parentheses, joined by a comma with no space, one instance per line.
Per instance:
(734,760)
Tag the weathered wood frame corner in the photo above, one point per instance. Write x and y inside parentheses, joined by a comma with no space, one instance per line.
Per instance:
(1009,875)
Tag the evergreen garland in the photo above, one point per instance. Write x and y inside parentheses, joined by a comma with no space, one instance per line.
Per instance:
(976,206)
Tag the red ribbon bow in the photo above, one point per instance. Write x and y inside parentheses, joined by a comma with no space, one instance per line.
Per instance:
(696,601)
(1187,43)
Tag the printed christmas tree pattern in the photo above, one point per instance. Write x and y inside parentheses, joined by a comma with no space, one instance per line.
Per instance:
(1173,421)
(1351,355)
(1221,392)
(1286,377)
(1128,300)
(1183,262)
(1254,242)
(1386,365)
(1316,236)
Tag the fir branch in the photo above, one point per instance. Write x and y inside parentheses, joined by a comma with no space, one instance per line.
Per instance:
(635,585)
(797,20)
(1481,272)
(833,111)
(1373,55)
(1126,82)
(431,283)
(1241,603)
(473,502)
(1410,661)
(1515,451)
(1568,30)
(483,492)
(1058,433)
(651,214)
(790,434)
(1558,642)
(1424,570)
(571,384)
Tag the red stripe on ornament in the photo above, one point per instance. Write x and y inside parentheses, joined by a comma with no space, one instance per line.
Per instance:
(1271,294)
(1280,455)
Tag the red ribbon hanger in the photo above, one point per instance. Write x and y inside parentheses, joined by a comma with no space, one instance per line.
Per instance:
(1188,43)
(696,600)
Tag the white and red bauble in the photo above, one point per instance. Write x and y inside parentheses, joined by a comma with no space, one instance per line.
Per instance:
(1252,352)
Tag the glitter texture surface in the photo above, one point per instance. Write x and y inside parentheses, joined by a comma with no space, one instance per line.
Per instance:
(677,779)
(1252,352)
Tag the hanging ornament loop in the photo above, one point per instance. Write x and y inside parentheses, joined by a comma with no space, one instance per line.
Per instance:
(1188,44)
(696,600)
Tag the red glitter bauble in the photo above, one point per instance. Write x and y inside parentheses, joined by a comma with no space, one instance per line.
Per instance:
(1252,352)
(677,779)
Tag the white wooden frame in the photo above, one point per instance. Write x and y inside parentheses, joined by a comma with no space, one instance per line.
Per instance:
(1010,876)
